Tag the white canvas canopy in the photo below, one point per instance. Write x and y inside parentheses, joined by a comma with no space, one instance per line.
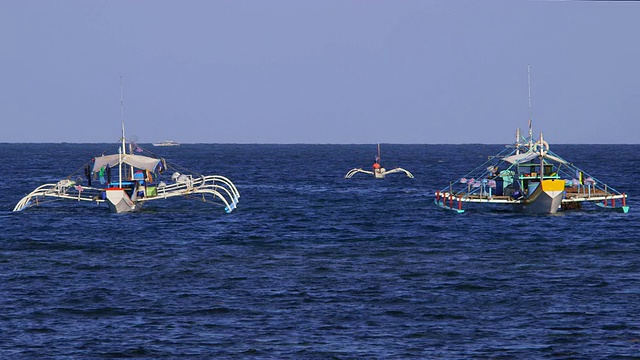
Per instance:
(555,158)
(518,158)
(137,161)
(524,157)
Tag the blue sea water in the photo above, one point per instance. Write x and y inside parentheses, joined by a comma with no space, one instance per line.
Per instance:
(313,266)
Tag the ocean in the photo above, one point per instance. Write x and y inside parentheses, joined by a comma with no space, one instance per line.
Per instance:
(314,266)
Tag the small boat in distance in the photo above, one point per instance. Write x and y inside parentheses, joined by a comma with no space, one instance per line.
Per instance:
(530,177)
(166,143)
(378,171)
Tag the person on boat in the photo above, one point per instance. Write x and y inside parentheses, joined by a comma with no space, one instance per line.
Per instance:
(87,173)
(142,189)
(101,175)
(494,172)
(108,171)
(376,166)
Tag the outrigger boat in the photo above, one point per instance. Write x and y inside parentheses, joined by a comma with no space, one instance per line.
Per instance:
(533,179)
(378,171)
(126,181)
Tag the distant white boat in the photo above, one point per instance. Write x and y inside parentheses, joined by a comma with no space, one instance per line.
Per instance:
(378,171)
(167,143)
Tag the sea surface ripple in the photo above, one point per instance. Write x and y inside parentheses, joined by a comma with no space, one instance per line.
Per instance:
(314,266)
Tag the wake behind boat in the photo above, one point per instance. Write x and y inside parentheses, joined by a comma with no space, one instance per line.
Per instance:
(530,177)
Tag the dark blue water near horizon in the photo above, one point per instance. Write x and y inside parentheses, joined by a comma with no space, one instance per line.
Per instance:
(313,266)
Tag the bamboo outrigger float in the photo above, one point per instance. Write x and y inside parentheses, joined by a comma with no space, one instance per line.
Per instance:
(530,177)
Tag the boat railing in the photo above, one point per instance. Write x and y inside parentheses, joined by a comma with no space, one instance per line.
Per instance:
(588,185)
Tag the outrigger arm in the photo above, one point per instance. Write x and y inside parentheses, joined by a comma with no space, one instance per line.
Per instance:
(410,175)
(218,186)
(355,171)
(202,185)
(382,173)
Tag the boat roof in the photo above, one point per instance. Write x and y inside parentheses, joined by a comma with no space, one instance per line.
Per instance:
(530,155)
(138,161)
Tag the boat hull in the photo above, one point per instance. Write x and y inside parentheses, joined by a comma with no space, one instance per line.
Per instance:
(119,201)
(546,199)
(167,143)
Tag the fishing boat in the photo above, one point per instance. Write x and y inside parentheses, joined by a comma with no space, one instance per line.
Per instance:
(127,180)
(377,170)
(130,178)
(530,177)
(166,143)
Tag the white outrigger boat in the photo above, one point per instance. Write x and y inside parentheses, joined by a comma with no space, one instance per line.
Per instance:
(126,181)
(378,171)
(530,177)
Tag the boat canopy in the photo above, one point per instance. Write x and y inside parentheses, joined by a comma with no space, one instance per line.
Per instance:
(524,157)
(555,158)
(519,158)
(138,161)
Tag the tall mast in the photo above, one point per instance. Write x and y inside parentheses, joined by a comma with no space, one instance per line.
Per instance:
(529,88)
(122,117)
(378,158)
(122,149)
(541,159)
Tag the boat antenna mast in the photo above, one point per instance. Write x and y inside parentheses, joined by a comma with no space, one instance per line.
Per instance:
(121,150)
(530,111)
(122,116)
(378,157)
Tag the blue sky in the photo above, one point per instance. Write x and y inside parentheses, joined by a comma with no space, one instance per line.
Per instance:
(323,71)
